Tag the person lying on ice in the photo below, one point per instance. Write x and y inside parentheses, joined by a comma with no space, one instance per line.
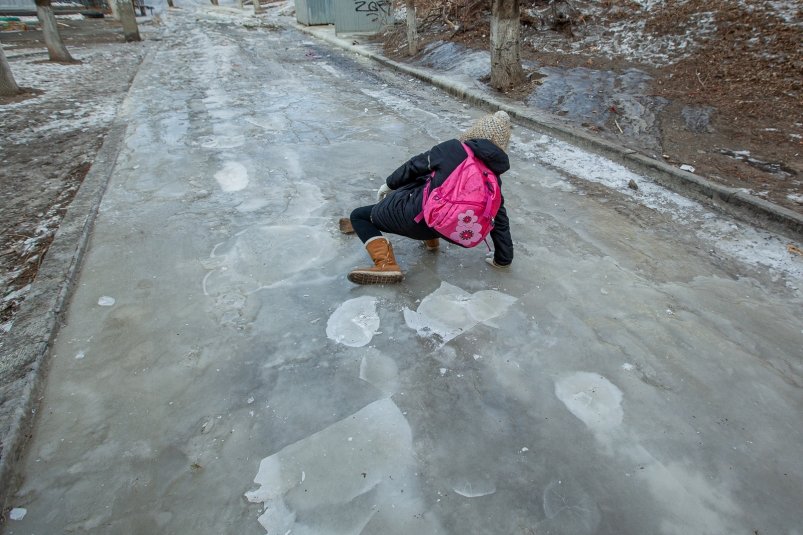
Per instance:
(401,207)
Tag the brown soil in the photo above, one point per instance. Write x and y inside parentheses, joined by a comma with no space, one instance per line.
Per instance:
(748,67)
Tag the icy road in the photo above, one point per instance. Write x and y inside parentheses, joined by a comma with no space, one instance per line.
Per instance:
(637,371)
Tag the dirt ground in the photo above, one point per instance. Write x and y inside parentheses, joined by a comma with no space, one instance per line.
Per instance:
(51,135)
(728,75)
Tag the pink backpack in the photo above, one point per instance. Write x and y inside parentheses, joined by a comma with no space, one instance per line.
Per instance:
(464,206)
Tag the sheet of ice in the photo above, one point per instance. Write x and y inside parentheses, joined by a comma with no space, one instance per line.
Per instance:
(106,301)
(380,371)
(17,513)
(476,489)
(354,322)
(260,257)
(252,204)
(752,246)
(697,505)
(569,508)
(446,56)
(233,177)
(449,311)
(397,103)
(343,477)
(593,399)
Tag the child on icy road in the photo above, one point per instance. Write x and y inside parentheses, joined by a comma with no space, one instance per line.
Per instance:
(400,200)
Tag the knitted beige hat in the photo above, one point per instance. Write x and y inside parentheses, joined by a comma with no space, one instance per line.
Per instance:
(493,127)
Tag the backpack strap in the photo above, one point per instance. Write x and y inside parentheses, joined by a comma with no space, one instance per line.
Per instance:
(420,216)
(493,183)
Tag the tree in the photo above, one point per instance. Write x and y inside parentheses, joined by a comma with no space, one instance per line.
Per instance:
(50,31)
(506,69)
(8,86)
(412,29)
(257,7)
(129,19)
(170,3)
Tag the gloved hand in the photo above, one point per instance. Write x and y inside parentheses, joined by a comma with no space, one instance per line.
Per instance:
(383,192)
(490,261)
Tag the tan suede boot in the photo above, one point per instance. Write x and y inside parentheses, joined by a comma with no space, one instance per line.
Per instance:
(432,245)
(345,225)
(385,270)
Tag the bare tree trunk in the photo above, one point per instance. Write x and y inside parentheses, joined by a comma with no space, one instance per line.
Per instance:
(114,9)
(240,3)
(506,70)
(170,3)
(412,28)
(50,31)
(214,3)
(258,8)
(129,20)
(8,86)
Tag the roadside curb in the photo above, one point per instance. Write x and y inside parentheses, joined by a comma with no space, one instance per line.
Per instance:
(733,201)
(27,345)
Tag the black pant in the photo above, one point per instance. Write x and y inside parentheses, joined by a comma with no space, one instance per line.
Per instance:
(367,227)
(363,226)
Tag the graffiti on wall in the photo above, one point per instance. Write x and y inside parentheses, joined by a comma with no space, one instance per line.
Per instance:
(376,11)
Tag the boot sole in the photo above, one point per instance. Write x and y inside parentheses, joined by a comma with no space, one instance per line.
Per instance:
(373,277)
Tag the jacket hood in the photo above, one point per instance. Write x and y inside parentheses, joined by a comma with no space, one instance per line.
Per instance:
(495,158)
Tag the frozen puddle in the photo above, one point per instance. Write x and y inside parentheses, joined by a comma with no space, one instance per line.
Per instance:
(258,258)
(593,399)
(356,472)
(233,177)
(354,322)
(450,311)
(381,371)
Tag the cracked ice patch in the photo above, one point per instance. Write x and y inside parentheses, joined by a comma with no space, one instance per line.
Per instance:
(354,322)
(450,311)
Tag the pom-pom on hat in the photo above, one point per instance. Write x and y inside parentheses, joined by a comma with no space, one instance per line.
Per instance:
(493,127)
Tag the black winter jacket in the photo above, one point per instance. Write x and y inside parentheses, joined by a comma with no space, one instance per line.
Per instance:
(397,212)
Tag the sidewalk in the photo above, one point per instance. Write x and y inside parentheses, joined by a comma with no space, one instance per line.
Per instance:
(217,372)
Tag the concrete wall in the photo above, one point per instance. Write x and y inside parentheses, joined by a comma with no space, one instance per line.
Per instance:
(17,6)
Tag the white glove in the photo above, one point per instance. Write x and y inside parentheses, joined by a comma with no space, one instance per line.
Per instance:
(383,192)
(490,261)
